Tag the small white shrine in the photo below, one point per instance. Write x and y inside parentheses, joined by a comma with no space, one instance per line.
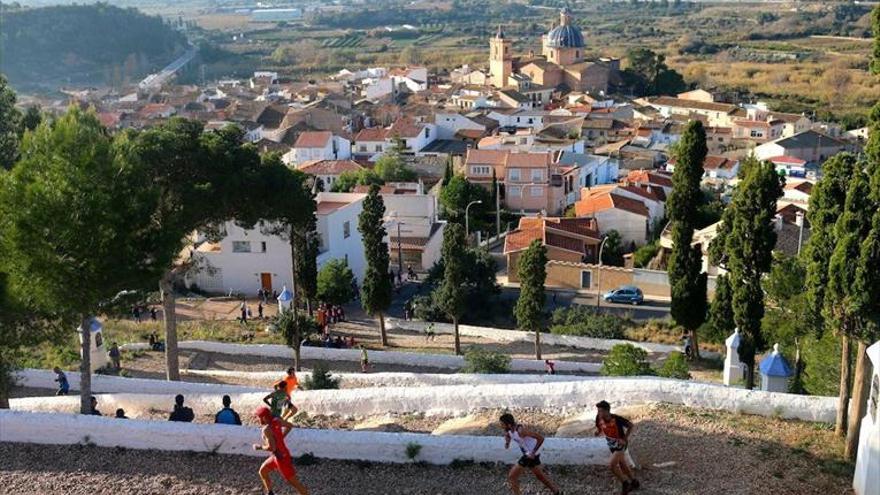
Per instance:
(775,372)
(733,369)
(285,300)
(98,351)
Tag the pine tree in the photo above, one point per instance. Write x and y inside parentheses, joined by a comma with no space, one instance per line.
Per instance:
(688,283)
(747,242)
(875,23)
(532,272)
(721,322)
(305,241)
(376,288)
(10,125)
(450,295)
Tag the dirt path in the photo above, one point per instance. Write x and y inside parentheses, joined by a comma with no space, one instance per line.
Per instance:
(700,452)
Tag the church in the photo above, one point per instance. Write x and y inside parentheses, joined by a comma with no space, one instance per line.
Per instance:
(561,65)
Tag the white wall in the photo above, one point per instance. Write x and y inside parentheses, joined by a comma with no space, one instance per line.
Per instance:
(376,357)
(631,226)
(501,335)
(450,123)
(227,270)
(329,444)
(331,228)
(559,397)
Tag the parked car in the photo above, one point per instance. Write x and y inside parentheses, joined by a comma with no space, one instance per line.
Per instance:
(626,295)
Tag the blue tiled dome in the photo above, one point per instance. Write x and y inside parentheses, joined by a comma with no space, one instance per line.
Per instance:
(565,36)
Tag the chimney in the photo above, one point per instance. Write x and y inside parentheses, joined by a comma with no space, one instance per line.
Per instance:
(799,219)
(777,222)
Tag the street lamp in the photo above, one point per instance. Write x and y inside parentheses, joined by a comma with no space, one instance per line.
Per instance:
(599,275)
(399,249)
(466,224)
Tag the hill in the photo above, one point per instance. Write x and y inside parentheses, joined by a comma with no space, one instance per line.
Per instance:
(82,44)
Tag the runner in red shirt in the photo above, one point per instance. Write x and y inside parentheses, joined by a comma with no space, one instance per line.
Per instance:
(274,431)
(617,430)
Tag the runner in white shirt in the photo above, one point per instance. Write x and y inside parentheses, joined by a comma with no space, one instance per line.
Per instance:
(529,443)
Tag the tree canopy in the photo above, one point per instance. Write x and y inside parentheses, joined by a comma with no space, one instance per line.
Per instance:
(532,271)
(335,282)
(449,295)
(376,287)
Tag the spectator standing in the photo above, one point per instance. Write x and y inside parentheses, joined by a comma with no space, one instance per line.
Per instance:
(94,405)
(63,384)
(227,415)
(136,313)
(181,413)
(243,310)
(260,309)
(120,414)
(115,356)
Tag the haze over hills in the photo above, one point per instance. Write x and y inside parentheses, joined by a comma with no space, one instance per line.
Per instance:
(83,44)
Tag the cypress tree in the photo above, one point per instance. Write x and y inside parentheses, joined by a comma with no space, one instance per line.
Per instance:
(721,310)
(376,288)
(747,242)
(532,272)
(450,295)
(688,283)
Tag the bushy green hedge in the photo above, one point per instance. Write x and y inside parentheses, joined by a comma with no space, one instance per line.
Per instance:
(584,321)
(675,366)
(481,361)
(321,378)
(626,360)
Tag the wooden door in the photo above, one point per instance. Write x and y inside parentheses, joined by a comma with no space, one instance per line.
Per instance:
(266,281)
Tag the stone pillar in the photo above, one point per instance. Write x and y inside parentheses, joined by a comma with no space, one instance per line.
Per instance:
(866,480)
(733,370)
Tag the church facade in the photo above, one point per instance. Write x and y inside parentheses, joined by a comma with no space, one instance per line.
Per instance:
(562,62)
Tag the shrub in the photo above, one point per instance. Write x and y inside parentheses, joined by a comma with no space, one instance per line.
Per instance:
(645,254)
(626,360)
(584,321)
(412,450)
(480,361)
(675,366)
(321,379)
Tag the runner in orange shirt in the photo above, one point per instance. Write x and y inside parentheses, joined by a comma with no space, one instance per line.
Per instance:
(291,384)
(617,431)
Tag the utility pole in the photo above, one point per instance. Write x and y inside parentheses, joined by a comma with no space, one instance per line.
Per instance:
(599,276)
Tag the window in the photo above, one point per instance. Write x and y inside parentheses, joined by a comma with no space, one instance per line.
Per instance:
(531,121)
(523,140)
(514,191)
(536,191)
(363,147)
(263,246)
(586,279)
(537,174)
(755,133)
(427,132)
(480,170)
(514,174)
(346,230)
(241,246)
(378,148)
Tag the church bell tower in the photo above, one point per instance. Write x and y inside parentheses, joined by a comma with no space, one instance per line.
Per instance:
(500,59)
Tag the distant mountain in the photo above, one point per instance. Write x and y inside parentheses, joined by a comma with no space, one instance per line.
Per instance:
(83,44)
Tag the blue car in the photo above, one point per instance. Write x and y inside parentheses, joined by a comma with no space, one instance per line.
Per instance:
(625,295)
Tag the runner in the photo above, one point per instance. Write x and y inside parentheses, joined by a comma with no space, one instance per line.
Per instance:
(617,430)
(63,384)
(274,431)
(529,443)
(277,399)
(365,361)
(291,382)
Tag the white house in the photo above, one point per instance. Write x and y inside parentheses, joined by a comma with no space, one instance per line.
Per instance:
(337,215)
(592,170)
(448,124)
(318,145)
(412,220)
(612,211)
(370,142)
(328,171)
(245,260)
(415,135)
(810,146)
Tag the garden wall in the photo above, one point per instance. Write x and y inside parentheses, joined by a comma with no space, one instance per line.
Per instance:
(68,429)
(443,361)
(501,335)
(562,397)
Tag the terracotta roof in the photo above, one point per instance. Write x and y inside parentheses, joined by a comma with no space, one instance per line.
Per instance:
(565,233)
(520,239)
(405,128)
(470,133)
(313,139)
(668,101)
(564,242)
(602,202)
(805,186)
(649,177)
(751,123)
(788,160)
(713,162)
(483,157)
(325,207)
(529,160)
(329,167)
(586,227)
(372,134)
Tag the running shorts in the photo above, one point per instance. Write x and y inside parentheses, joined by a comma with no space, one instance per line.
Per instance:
(283,465)
(529,462)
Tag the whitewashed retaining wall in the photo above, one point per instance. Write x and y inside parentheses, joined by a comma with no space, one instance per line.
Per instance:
(562,397)
(501,335)
(67,429)
(398,379)
(116,384)
(446,361)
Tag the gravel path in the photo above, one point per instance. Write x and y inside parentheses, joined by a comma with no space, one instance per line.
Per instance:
(709,452)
